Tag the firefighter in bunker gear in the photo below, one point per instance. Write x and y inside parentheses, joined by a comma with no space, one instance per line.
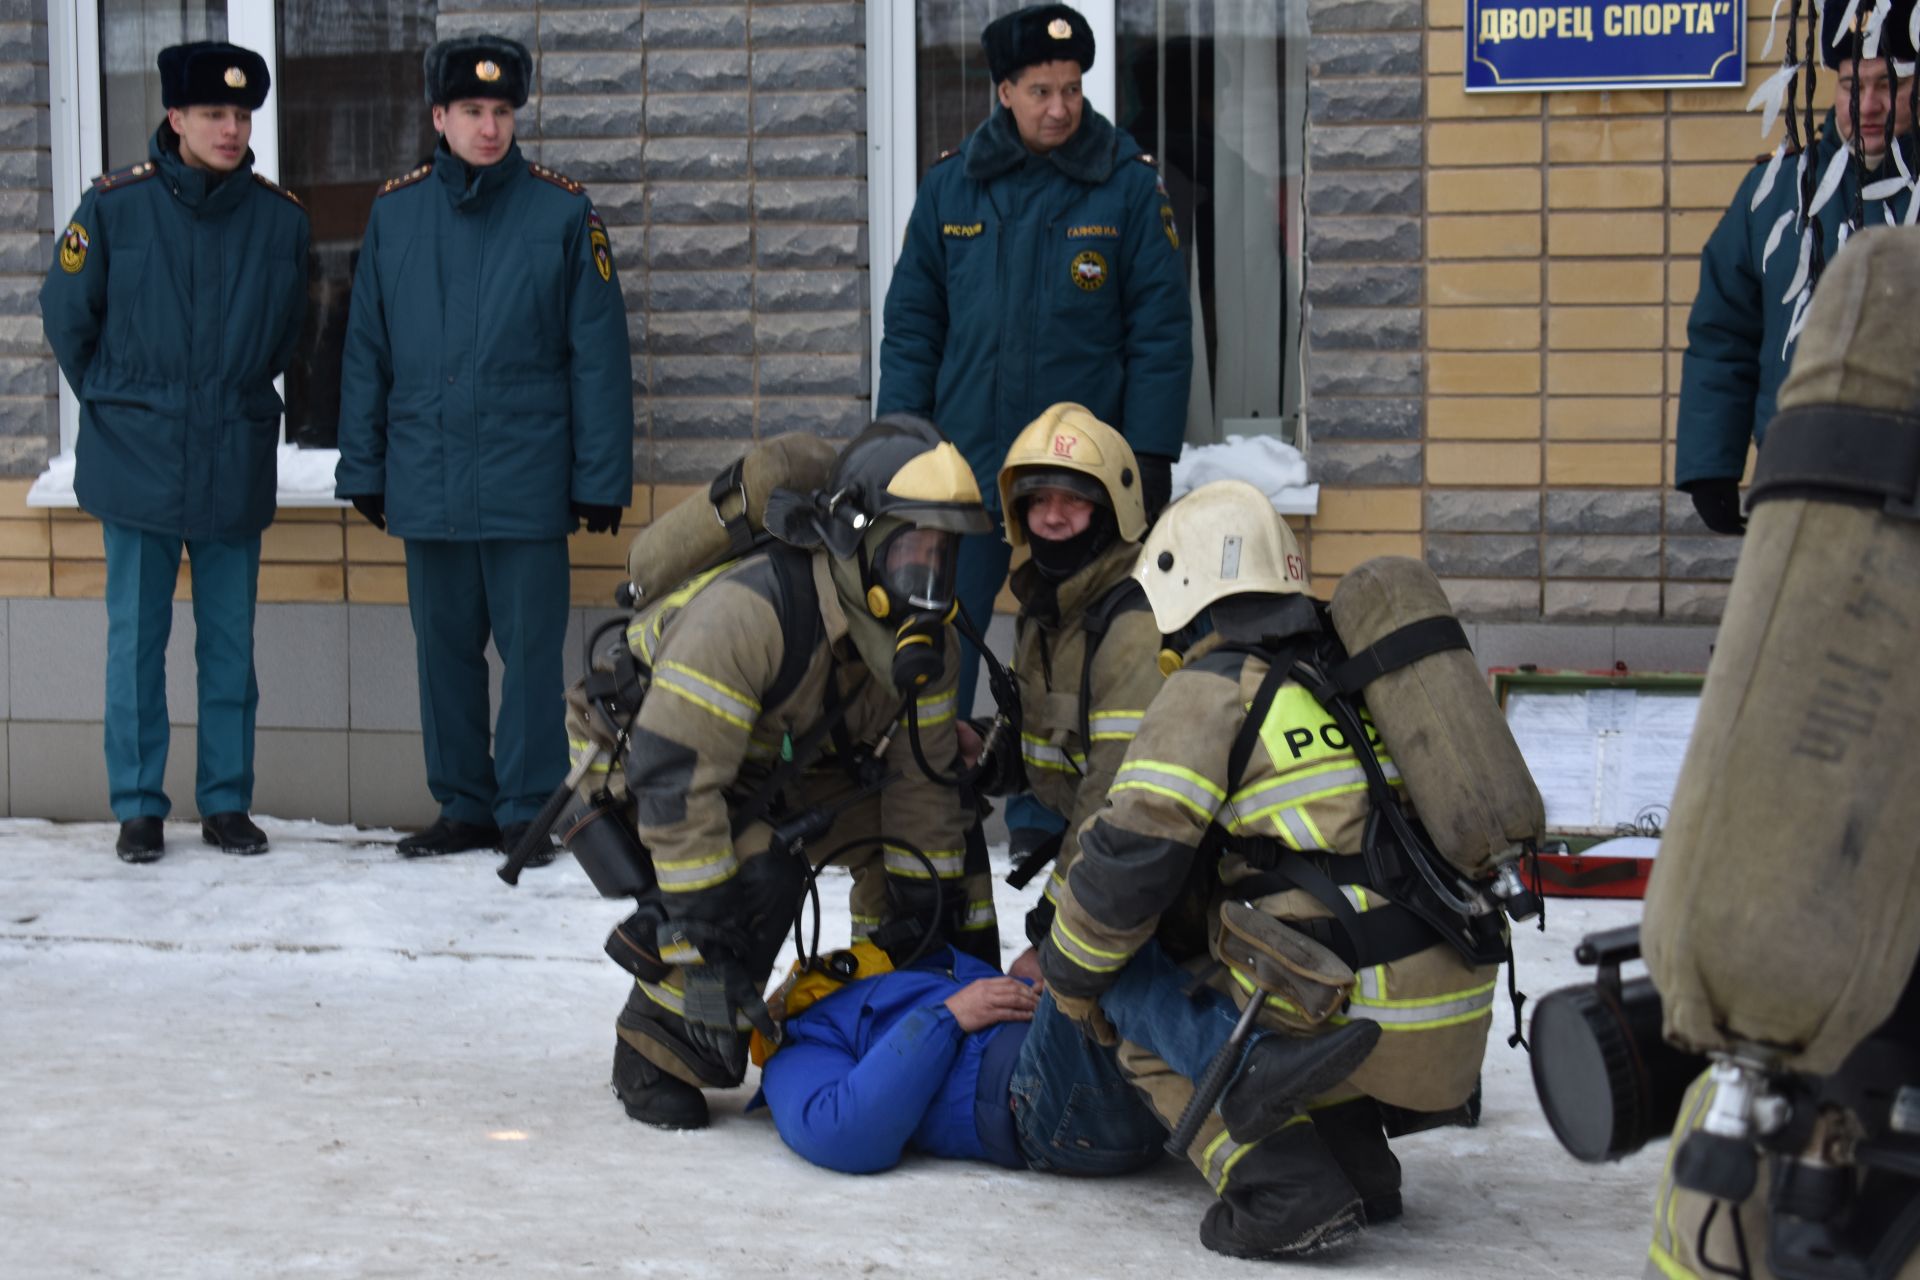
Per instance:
(1291,796)
(1086,649)
(789,666)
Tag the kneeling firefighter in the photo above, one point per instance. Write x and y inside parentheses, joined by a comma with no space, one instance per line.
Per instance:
(1782,929)
(774,686)
(1259,752)
(1086,650)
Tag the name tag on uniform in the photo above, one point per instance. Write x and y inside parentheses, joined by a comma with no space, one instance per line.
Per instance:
(1093,229)
(962,230)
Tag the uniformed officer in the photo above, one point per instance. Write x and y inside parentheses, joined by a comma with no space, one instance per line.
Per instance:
(486,411)
(176,296)
(1223,553)
(1040,265)
(773,677)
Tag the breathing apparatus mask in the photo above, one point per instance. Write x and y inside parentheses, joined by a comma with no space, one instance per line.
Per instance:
(909,577)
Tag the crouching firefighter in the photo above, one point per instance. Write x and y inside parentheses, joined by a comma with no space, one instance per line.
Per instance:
(798,704)
(1257,751)
(1782,928)
(1086,650)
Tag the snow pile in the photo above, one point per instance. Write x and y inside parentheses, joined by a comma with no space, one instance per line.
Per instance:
(306,479)
(330,1062)
(1269,464)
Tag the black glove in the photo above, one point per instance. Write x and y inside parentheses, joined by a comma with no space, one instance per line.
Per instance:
(371,505)
(598,517)
(1718,502)
(719,992)
(1156,482)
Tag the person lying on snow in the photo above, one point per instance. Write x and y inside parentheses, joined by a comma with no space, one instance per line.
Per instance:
(951,1059)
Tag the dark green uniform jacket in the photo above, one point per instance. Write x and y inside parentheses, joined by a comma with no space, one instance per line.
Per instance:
(172,304)
(1737,350)
(1027,280)
(487,379)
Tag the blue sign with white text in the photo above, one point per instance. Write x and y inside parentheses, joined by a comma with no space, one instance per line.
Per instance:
(1535,45)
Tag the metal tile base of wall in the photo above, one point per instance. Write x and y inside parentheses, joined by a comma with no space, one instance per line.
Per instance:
(338,737)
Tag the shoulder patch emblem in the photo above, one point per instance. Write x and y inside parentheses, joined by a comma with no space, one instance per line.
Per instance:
(125,177)
(962,230)
(279,190)
(557,178)
(1089,271)
(73,249)
(406,179)
(597,242)
(1166,224)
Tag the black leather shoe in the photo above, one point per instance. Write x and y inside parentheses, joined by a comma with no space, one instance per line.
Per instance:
(141,840)
(514,832)
(449,836)
(653,1097)
(233,833)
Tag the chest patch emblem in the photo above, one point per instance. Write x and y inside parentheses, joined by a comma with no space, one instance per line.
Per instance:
(962,230)
(73,249)
(602,250)
(1089,270)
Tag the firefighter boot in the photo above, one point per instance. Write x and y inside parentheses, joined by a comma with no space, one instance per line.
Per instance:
(1355,1134)
(1283,1198)
(653,1097)
(1281,1073)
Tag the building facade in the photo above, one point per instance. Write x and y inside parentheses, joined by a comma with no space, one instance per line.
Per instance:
(1467,309)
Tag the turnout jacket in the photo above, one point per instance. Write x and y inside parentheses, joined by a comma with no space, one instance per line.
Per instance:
(1302,790)
(486,380)
(1068,775)
(1026,280)
(173,302)
(1737,350)
(713,725)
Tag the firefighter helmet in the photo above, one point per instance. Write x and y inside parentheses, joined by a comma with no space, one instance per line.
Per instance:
(1223,539)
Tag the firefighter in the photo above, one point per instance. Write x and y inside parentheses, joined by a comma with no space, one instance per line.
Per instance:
(1086,649)
(1222,557)
(786,669)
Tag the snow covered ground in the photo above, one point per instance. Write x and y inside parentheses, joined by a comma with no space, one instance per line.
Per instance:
(328,1062)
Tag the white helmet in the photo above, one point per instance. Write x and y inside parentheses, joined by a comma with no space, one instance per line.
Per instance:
(1223,539)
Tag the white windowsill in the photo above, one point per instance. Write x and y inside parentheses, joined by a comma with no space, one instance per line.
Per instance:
(306,480)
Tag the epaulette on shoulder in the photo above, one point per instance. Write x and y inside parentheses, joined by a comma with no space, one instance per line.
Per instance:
(557,178)
(948,154)
(1147,159)
(279,190)
(1766,157)
(406,179)
(125,177)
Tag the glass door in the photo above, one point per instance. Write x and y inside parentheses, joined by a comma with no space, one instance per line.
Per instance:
(1216,89)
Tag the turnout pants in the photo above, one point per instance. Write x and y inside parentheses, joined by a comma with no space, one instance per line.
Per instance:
(141,570)
(652,1020)
(460,594)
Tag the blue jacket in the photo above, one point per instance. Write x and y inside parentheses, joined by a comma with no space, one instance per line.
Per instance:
(1737,351)
(171,306)
(1027,280)
(878,1068)
(487,379)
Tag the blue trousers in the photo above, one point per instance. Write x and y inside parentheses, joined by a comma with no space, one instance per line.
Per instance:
(459,594)
(141,570)
(1073,1108)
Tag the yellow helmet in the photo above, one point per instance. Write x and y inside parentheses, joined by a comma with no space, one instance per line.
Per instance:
(1068,448)
(1223,539)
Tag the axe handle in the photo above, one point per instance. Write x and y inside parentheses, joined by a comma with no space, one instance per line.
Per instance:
(1214,1082)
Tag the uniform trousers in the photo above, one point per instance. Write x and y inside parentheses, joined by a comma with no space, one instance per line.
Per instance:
(142,568)
(460,594)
